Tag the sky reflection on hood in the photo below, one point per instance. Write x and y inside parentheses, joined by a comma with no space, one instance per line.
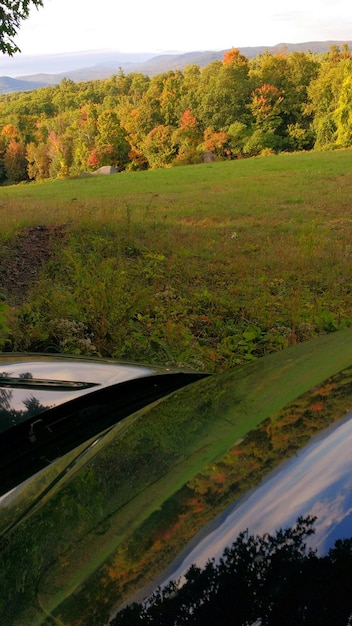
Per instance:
(102,373)
(317,481)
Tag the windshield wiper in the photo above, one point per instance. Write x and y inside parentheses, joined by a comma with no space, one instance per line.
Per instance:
(45,384)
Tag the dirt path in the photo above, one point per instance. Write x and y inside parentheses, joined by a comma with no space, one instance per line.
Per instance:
(22,257)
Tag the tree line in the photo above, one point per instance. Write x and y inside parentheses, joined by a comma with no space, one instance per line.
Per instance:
(230,109)
(269,580)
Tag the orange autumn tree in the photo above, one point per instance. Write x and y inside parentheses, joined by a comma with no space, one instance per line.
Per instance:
(15,161)
(266,106)
(9,132)
(234,57)
(188,137)
(216,142)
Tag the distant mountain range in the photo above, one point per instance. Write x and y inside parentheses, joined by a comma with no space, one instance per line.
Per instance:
(96,65)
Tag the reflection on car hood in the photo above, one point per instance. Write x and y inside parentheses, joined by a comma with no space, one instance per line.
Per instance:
(49,405)
(31,384)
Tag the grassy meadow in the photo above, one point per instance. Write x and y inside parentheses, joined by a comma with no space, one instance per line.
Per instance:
(206,266)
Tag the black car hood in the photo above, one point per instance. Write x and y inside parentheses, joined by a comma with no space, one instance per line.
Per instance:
(49,405)
(33,384)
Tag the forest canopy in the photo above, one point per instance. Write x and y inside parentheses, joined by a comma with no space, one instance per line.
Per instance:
(230,109)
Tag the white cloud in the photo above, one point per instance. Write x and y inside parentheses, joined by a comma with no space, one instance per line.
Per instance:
(316,482)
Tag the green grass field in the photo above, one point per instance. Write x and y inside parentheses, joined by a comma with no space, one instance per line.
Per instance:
(207,266)
(305,184)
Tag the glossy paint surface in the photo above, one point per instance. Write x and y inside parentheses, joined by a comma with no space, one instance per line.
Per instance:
(317,481)
(56,375)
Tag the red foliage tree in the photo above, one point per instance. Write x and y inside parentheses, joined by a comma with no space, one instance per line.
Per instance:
(16,162)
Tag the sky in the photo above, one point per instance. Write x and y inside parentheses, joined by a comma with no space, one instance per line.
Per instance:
(186,25)
(316,481)
(63,26)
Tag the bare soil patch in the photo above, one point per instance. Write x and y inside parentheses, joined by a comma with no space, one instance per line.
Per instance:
(22,258)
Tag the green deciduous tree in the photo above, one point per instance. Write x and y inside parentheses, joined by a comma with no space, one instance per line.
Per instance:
(224,92)
(291,75)
(266,107)
(238,134)
(38,161)
(343,112)
(159,146)
(327,99)
(11,16)
(111,141)
(170,99)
